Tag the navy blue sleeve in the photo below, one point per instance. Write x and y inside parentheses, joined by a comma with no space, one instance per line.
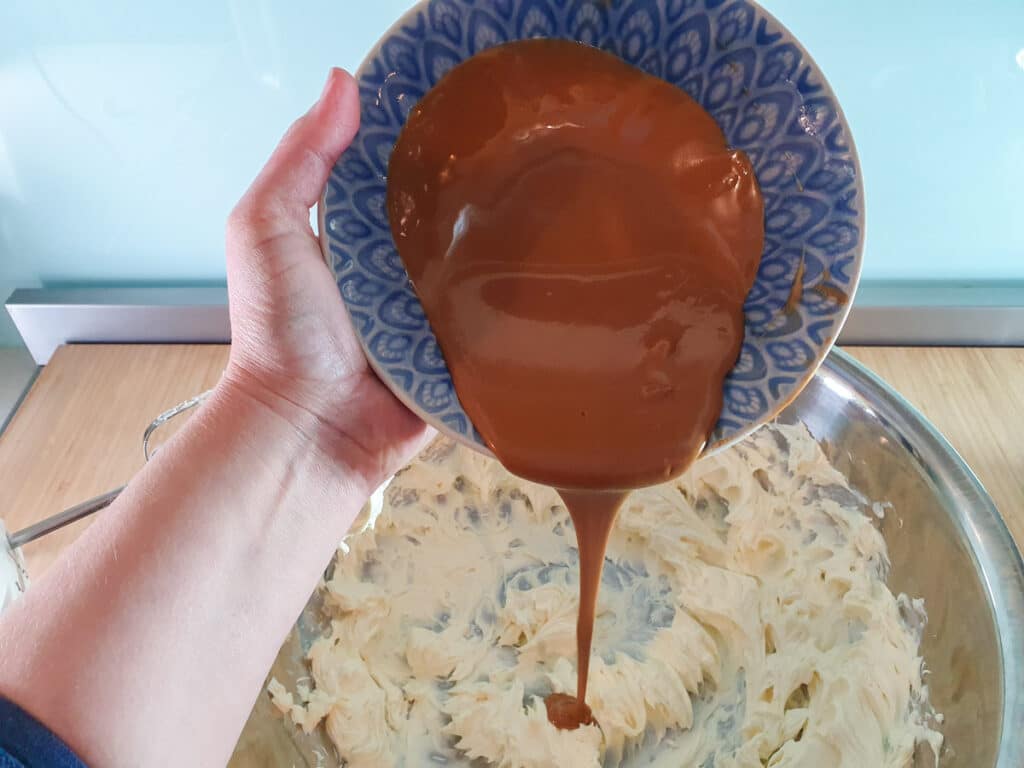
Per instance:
(27,743)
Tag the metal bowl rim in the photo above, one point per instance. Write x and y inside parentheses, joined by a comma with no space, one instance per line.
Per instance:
(993,552)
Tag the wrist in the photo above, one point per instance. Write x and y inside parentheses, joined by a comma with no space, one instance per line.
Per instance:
(282,437)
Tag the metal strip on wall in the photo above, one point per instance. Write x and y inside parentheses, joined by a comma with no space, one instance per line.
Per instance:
(978,314)
(897,313)
(48,318)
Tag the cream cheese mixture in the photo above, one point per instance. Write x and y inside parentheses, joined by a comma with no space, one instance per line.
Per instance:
(743,620)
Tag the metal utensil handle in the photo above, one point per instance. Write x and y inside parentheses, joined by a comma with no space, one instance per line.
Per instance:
(86,508)
(68,516)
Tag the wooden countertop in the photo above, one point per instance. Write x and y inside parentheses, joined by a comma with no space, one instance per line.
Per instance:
(79,431)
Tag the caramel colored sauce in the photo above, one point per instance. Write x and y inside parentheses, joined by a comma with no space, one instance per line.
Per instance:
(593,514)
(568,712)
(582,241)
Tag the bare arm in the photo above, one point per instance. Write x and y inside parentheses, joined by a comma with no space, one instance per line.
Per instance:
(147,643)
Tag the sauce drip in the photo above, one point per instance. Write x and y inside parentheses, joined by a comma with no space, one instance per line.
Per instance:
(593,514)
(582,241)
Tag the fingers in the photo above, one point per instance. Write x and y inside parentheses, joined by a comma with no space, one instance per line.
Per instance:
(279,200)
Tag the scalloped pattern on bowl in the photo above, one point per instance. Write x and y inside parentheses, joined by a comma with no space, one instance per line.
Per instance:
(740,64)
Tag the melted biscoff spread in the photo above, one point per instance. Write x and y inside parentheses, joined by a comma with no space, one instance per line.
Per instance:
(582,241)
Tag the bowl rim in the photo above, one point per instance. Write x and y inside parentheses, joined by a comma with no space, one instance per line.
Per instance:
(858,265)
(821,352)
(997,559)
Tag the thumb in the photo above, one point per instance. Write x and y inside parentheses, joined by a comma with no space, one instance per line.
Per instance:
(278,201)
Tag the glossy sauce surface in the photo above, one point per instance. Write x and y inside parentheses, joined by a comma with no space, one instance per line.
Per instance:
(582,241)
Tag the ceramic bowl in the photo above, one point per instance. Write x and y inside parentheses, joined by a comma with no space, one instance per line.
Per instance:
(740,64)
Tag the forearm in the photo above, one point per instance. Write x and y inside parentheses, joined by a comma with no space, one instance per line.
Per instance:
(147,643)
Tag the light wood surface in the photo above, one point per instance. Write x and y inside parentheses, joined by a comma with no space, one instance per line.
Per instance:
(79,432)
(975,397)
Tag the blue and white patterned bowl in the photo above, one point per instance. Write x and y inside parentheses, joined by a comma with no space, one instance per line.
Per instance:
(740,64)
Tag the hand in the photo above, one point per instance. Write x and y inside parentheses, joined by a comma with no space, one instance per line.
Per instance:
(293,347)
(192,578)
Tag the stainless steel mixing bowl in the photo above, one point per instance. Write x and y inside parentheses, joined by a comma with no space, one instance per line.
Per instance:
(947,544)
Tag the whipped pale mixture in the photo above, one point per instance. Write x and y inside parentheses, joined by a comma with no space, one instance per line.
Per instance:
(743,620)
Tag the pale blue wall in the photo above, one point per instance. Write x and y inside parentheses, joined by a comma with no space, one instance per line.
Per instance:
(128,129)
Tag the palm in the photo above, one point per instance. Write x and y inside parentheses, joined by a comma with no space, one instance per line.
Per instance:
(292,340)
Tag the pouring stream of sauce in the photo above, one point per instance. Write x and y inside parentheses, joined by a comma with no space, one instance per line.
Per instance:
(582,241)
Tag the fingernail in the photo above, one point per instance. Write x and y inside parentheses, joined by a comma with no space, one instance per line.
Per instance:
(330,79)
